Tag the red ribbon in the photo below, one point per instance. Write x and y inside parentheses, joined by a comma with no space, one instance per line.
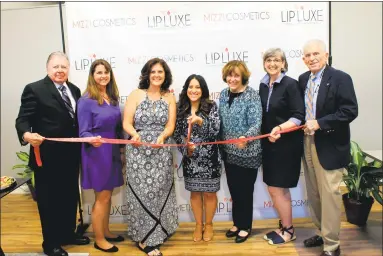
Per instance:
(123,141)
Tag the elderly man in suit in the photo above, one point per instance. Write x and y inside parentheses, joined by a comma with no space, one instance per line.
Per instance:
(331,106)
(48,110)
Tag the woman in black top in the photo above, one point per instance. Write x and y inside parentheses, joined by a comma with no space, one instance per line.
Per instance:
(283,108)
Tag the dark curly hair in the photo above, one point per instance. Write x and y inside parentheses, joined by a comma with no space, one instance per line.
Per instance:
(145,74)
(184,106)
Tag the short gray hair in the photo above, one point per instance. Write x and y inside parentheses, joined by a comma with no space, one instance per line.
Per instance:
(58,53)
(317,42)
(272,52)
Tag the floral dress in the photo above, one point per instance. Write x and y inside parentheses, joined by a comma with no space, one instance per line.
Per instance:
(151,199)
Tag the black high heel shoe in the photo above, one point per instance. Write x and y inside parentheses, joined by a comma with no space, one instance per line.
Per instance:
(241,239)
(111,249)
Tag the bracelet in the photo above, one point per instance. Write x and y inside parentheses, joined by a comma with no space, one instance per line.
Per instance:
(280,128)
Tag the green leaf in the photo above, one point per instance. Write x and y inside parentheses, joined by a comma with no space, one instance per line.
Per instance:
(17,166)
(377,196)
(23,156)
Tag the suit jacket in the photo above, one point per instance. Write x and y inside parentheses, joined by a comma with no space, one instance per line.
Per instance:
(43,111)
(336,108)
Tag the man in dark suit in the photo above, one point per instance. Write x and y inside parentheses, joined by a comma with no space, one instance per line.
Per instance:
(330,106)
(48,110)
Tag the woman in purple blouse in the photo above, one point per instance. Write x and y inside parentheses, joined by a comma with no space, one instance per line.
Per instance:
(99,116)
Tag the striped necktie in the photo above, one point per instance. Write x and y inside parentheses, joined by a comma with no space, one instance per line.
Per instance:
(66,99)
(309,102)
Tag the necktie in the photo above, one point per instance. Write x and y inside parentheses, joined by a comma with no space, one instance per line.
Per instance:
(66,99)
(309,102)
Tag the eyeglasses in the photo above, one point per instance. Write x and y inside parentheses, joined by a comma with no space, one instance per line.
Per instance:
(268,61)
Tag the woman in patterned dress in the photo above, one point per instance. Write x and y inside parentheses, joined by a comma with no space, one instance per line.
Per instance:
(150,116)
(202,164)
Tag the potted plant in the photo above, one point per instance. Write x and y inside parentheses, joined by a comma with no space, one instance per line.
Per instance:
(362,179)
(26,172)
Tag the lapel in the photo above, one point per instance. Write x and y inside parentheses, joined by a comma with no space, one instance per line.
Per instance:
(323,89)
(304,81)
(53,90)
(72,89)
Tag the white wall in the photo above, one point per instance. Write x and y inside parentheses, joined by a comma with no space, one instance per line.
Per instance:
(29,35)
(357,50)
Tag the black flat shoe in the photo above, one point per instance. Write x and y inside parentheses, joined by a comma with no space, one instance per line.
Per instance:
(241,239)
(115,239)
(111,249)
(230,233)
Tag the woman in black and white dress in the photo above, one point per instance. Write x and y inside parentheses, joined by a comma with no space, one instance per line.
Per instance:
(201,164)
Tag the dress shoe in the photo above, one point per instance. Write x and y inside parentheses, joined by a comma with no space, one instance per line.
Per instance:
(241,239)
(111,249)
(57,251)
(313,241)
(230,233)
(115,239)
(77,240)
(331,253)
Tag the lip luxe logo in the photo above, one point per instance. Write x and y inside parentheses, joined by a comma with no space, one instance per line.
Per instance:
(85,63)
(302,15)
(225,56)
(169,19)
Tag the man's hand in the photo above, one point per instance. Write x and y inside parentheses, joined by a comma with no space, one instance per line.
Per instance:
(34,139)
(311,127)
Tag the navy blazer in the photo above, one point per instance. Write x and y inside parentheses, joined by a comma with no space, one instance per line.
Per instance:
(336,108)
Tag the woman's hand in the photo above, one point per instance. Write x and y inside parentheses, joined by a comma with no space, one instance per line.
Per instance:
(96,141)
(136,138)
(242,145)
(194,119)
(274,134)
(190,149)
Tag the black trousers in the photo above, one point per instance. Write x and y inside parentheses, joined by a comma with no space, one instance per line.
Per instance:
(57,198)
(241,182)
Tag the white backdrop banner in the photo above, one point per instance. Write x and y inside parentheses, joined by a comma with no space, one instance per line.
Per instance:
(193,38)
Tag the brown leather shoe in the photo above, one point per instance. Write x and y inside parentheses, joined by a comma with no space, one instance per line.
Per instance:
(313,241)
(331,253)
(208,233)
(197,235)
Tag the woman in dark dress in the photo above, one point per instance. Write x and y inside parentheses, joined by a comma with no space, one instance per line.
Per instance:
(283,108)
(202,164)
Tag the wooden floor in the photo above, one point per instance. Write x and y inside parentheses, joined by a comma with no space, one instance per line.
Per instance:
(21,232)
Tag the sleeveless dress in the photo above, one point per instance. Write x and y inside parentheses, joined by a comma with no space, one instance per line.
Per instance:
(151,199)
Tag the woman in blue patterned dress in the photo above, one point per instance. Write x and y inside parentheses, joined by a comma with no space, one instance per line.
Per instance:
(201,164)
(240,111)
(150,116)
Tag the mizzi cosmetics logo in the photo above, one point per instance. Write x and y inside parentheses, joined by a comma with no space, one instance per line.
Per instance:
(300,14)
(169,19)
(104,22)
(236,16)
(169,58)
(223,57)
(294,203)
(84,64)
